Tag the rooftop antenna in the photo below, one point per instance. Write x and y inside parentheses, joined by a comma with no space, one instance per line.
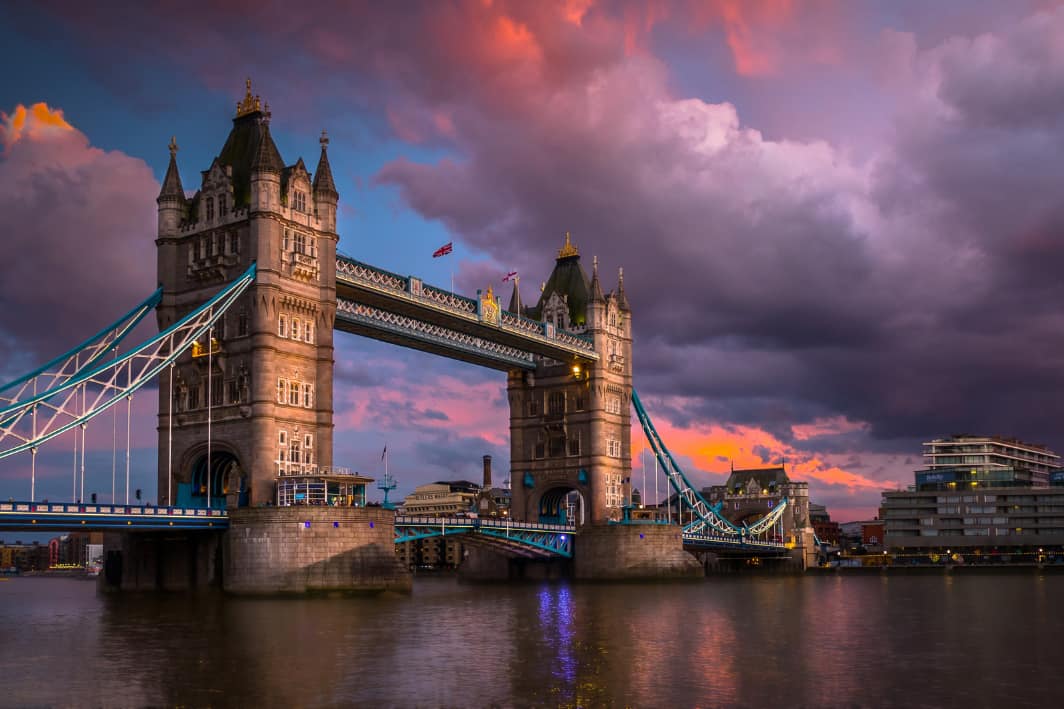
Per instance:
(387,483)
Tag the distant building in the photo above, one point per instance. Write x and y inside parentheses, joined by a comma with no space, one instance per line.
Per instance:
(751,493)
(984,461)
(445,498)
(23,557)
(826,530)
(979,493)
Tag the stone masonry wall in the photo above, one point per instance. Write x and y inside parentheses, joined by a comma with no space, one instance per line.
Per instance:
(637,551)
(272,550)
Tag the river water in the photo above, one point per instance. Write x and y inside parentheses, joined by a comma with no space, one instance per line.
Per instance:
(761,642)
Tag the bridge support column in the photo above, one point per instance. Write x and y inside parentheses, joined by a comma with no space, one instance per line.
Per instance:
(161,561)
(297,550)
(633,552)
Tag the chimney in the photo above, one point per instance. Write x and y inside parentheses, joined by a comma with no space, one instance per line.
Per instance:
(487,472)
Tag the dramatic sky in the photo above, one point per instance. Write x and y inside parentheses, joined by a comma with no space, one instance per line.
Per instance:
(841,223)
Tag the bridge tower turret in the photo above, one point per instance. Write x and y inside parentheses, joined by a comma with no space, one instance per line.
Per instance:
(570,425)
(262,386)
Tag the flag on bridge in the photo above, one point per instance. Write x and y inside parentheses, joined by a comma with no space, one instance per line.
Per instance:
(443,250)
(384,452)
(508,276)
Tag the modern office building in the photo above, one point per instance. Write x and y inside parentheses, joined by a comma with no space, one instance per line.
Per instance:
(1000,462)
(982,493)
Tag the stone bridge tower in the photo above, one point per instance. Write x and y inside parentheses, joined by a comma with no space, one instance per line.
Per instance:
(570,422)
(265,379)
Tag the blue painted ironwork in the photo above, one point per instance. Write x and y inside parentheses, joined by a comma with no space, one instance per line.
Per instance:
(709,521)
(522,538)
(71,517)
(81,357)
(111,381)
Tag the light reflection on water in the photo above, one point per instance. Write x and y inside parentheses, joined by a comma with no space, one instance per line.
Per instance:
(849,641)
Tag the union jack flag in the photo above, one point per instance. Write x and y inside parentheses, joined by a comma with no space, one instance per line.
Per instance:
(443,250)
(508,276)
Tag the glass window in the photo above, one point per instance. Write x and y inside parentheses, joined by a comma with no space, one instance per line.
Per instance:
(222,208)
(308,395)
(556,403)
(282,437)
(308,331)
(282,391)
(293,393)
(297,329)
(574,444)
(282,326)
(242,323)
(216,389)
(210,208)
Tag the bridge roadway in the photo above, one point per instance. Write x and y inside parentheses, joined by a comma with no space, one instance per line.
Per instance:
(75,517)
(527,539)
(405,311)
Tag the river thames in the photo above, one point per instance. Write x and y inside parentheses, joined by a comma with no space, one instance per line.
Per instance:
(973,641)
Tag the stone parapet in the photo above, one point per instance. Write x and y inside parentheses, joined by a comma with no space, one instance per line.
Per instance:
(296,550)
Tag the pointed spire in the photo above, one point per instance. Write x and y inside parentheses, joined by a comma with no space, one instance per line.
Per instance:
(172,188)
(267,157)
(515,297)
(323,178)
(622,300)
(596,287)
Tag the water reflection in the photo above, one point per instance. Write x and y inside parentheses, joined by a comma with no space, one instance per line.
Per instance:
(858,641)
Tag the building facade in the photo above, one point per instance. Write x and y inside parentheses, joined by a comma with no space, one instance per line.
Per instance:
(750,494)
(570,422)
(254,400)
(978,493)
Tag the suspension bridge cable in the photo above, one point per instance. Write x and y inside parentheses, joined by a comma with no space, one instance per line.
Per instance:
(210,401)
(170,442)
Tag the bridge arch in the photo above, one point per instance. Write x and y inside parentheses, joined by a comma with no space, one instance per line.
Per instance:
(227,474)
(562,504)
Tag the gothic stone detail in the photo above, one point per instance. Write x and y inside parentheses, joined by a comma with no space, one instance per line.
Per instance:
(249,207)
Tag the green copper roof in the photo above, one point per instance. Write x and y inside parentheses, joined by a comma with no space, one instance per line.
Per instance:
(249,146)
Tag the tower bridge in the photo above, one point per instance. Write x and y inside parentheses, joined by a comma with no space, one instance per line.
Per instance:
(252,290)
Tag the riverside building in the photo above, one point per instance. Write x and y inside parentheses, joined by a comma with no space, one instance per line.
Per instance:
(979,494)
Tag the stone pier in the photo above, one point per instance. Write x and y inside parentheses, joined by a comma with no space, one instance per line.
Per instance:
(621,552)
(294,550)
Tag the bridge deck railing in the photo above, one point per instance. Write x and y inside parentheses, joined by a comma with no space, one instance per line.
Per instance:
(109,509)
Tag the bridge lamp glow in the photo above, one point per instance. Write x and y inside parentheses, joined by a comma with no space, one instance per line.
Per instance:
(576,371)
(562,537)
(306,525)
